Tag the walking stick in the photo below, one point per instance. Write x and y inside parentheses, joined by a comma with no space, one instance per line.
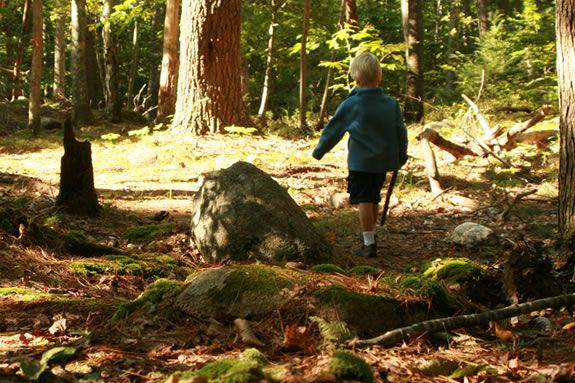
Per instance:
(388,197)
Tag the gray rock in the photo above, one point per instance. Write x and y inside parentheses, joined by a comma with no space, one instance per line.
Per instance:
(470,234)
(241,213)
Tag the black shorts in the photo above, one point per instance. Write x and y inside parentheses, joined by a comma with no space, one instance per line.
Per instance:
(364,187)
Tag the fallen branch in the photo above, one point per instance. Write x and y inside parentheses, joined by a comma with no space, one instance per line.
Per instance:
(458,151)
(518,197)
(431,167)
(480,118)
(511,138)
(394,336)
(537,137)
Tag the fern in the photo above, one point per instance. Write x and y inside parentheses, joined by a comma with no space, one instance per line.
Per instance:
(335,332)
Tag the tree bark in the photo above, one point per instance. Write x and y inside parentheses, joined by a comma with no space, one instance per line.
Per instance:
(16,71)
(58,91)
(413,110)
(169,73)
(303,67)
(133,64)
(209,85)
(94,78)
(153,89)
(77,192)
(565,31)
(454,149)
(276,6)
(113,101)
(482,16)
(36,80)
(81,112)
(452,43)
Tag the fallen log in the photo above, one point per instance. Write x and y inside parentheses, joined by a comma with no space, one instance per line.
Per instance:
(456,150)
(444,324)
(510,141)
(537,137)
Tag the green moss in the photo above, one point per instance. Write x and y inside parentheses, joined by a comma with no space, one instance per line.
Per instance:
(247,368)
(154,293)
(91,269)
(411,282)
(364,269)
(452,270)
(53,220)
(429,289)
(77,243)
(255,355)
(148,232)
(327,268)
(348,367)
(145,265)
(343,222)
(23,294)
(341,295)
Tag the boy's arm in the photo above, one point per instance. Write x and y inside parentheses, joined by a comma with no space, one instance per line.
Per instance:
(401,136)
(332,133)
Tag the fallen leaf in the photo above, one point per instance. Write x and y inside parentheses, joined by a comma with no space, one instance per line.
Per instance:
(59,327)
(298,337)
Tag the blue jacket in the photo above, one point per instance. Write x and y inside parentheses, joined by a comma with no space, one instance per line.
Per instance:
(377,137)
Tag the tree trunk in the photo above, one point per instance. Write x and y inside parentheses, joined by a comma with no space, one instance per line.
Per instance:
(452,43)
(81,112)
(77,192)
(209,85)
(151,104)
(482,16)
(94,76)
(20,50)
(349,11)
(113,101)
(58,90)
(276,6)
(133,64)
(414,90)
(565,28)
(169,73)
(36,80)
(431,167)
(303,67)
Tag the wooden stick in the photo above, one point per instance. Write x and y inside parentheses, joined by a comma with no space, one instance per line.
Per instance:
(394,336)
(505,214)
(515,131)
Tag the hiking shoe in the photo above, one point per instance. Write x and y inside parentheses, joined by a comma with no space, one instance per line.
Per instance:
(369,251)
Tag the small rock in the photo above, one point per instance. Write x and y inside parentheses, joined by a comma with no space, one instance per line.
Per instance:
(470,234)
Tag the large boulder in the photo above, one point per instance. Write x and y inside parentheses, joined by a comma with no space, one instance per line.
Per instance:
(241,213)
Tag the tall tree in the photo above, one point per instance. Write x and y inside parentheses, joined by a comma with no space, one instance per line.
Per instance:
(20,50)
(276,6)
(452,43)
(36,81)
(133,63)
(93,62)
(58,88)
(482,16)
(565,31)
(81,112)
(303,67)
(413,30)
(155,58)
(113,101)
(169,72)
(209,85)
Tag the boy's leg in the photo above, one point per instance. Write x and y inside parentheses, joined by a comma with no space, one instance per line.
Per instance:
(367,222)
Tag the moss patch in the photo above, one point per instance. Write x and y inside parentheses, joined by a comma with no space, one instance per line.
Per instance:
(146,233)
(77,243)
(327,268)
(154,294)
(452,270)
(145,265)
(348,367)
(23,294)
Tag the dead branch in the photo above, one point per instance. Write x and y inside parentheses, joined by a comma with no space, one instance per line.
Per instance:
(394,336)
(480,118)
(512,109)
(511,138)
(518,197)
(431,167)
(537,137)
(458,151)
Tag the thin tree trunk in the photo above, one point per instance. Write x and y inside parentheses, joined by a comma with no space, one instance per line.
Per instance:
(59,92)
(94,75)
(452,43)
(113,101)
(153,88)
(36,81)
(482,16)
(81,112)
(276,6)
(303,67)
(170,62)
(565,31)
(133,64)
(414,89)
(16,72)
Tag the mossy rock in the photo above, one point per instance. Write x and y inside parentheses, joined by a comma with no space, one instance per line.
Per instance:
(366,315)
(77,243)
(145,233)
(452,270)
(236,291)
(345,366)
(364,269)
(155,293)
(327,268)
(438,297)
(145,265)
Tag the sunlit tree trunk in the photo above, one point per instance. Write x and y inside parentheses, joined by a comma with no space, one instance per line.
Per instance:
(36,81)
(133,64)
(113,101)
(209,84)
(81,112)
(153,87)
(414,89)
(20,50)
(303,67)
(349,11)
(482,16)
(169,73)
(276,6)
(565,31)
(58,89)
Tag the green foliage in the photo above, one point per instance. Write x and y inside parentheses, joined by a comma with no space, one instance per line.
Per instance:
(452,269)
(145,265)
(348,367)
(32,369)
(148,232)
(335,332)
(327,268)
(246,369)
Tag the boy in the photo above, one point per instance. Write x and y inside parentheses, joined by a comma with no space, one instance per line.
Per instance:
(377,142)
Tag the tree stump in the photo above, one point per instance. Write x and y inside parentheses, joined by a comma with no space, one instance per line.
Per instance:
(77,192)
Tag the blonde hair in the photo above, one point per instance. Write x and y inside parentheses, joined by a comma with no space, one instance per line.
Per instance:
(365,69)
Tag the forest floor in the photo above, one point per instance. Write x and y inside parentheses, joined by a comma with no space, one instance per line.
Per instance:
(140,176)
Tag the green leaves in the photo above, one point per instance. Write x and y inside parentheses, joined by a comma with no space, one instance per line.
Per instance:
(33,370)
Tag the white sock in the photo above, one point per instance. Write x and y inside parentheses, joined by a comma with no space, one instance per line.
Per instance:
(368,238)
